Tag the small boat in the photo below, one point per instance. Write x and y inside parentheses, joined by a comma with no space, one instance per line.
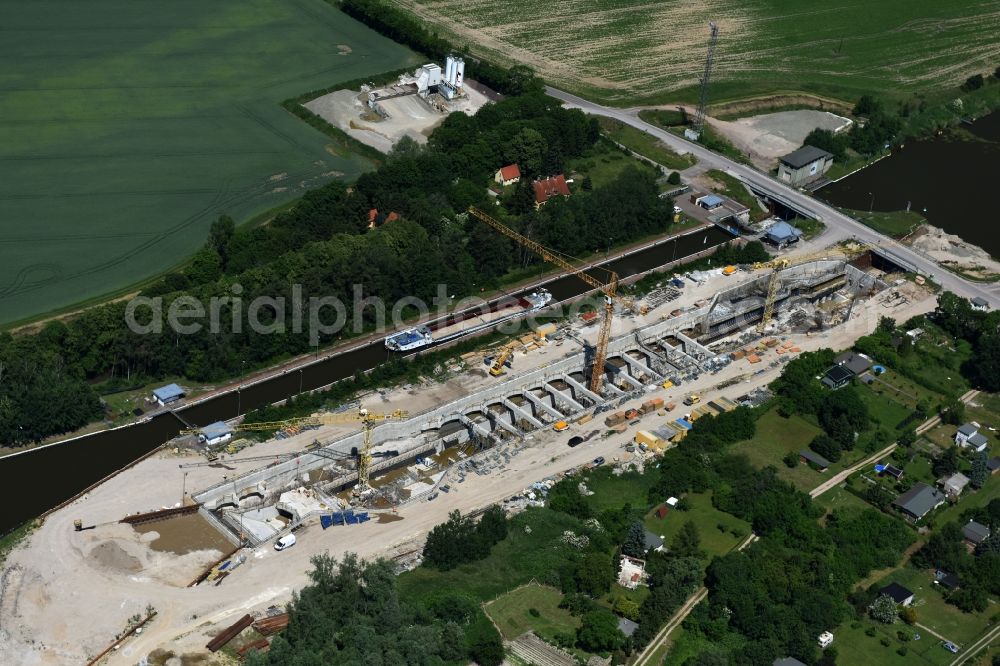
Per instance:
(410,339)
(538,299)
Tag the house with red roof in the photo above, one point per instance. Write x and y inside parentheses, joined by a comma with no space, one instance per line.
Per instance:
(550,187)
(508,175)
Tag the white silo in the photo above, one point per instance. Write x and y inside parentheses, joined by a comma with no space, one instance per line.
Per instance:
(459,73)
(449,70)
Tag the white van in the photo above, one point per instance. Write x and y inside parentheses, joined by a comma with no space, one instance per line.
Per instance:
(284,542)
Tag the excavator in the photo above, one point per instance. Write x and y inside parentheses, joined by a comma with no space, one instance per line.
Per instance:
(501,359)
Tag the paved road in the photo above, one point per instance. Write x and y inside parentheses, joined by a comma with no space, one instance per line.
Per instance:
(839,226)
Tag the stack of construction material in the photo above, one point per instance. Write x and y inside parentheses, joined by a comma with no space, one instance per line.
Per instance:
(271,625)
(614,419)
(651,405)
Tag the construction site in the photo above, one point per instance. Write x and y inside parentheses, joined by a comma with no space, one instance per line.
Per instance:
(412,106)
(203,528)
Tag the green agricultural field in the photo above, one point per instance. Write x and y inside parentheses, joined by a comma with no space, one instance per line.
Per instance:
(632,51)
(126,128)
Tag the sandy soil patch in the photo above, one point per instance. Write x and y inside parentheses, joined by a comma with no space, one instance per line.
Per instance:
(954,253)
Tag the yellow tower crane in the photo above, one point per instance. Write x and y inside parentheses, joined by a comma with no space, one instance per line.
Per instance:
(608,288)
(777,265)
(366,418)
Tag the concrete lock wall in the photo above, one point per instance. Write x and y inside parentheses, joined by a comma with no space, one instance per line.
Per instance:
(420,430)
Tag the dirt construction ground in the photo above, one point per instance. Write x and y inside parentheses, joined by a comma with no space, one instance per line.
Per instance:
(64,595)
(408,116)
(771,135)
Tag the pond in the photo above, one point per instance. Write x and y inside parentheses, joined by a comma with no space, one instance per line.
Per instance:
(948,180)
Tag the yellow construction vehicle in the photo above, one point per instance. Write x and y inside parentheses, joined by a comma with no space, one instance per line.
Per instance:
(607,287)
(502,357)
(363,416)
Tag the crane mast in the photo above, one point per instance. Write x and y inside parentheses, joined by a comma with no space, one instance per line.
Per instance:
(368,420)
(609,288)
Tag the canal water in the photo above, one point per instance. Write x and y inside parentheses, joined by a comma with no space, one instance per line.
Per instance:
(948,180)
(33,482)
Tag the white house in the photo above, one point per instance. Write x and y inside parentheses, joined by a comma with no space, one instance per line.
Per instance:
(216,433)
(632,573)
(968,436)
(981,304)
(507,175)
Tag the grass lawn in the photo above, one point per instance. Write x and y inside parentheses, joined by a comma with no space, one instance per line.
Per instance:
(708,519)
(776,436)
(613,492)
(127,128)
(513,562)
(604,164)
(904,390)
(896,224)
(511,612)
(839,498)
(884,407)
(643,144)
(809,228)
(628,52)
(854,646)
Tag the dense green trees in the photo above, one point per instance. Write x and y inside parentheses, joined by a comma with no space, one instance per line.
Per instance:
(350,613)
(40,393)
(599,632)
(635,543)
(461,539)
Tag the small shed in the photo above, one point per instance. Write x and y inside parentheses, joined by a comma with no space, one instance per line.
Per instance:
(814,459)
(893,471)
(216,433)
(975,533)
(709,201)
(168,394)
(954,484)
(804,165)
(993,464)
(901,595)
(949,581)
(781,234)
